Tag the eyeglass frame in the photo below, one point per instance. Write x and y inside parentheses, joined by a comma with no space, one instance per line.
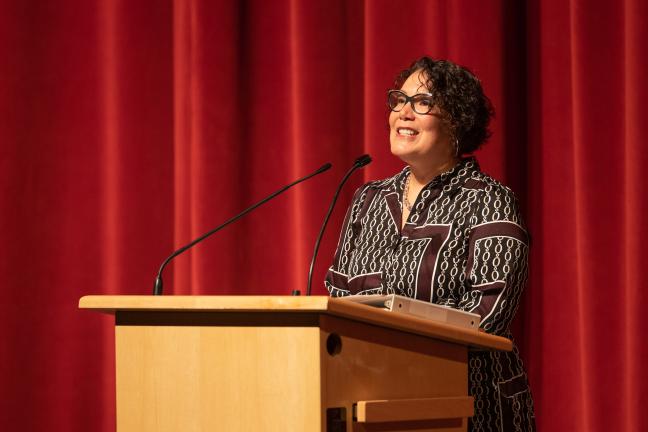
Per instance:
(410,100)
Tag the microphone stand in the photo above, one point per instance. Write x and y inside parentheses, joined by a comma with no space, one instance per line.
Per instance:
(360,162)
(158,286)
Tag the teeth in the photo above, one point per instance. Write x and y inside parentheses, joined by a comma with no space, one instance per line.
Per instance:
(409,132)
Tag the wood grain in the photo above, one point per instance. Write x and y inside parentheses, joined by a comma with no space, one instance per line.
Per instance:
(217,378)
(279,363)
(399,410)
(297,304)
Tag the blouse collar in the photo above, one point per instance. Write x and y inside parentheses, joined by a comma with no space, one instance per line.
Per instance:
(449,180)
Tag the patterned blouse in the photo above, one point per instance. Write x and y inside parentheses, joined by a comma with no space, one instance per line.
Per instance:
(464,246)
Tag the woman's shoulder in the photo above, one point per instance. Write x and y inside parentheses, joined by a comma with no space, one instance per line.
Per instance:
(390,183)
(489,186)
(467,175)
(497,201)
(375,189)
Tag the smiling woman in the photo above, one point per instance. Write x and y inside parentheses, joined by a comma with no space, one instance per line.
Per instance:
(419,135)
(442,231)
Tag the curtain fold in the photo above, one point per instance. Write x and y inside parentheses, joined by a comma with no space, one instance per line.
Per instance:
(589,213)
(129,128)
(635,280)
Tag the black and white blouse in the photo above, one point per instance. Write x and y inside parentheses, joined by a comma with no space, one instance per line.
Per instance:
(465,246)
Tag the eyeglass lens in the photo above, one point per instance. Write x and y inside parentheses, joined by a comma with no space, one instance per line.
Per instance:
(422,104)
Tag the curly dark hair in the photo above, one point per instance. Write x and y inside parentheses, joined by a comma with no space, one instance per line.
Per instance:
(459,95)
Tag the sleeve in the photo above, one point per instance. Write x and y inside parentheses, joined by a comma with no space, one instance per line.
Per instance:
(497,267)
(337,276)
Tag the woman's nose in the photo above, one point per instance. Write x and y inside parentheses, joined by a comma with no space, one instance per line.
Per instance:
(407,112)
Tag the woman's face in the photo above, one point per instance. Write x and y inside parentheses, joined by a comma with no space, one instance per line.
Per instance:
(419,139)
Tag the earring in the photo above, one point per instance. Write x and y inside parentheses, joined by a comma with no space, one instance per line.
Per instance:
(456,146)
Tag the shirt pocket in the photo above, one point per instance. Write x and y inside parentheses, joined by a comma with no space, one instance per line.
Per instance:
(516,405)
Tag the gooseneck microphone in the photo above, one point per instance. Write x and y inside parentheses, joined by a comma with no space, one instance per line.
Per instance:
(157,288)
(359,163)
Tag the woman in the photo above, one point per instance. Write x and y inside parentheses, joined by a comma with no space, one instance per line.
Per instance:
(443,231)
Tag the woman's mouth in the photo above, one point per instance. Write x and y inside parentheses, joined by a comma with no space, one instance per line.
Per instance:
(406,132)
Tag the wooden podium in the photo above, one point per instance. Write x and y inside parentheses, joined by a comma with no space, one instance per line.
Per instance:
(279,363)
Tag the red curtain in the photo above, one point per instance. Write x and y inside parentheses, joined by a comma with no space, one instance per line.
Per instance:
(588,200)
(128,128)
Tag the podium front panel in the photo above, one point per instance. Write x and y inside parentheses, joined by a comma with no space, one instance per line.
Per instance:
(173,376)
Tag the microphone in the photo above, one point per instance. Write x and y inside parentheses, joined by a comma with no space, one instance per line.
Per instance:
(157,288)
(359,163)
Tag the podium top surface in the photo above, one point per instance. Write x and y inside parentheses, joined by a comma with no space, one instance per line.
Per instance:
(297,304)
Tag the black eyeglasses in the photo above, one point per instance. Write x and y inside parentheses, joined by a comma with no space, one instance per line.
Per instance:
(422,103)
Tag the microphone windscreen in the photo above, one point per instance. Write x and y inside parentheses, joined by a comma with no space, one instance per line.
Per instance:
(324,167)
(363,160)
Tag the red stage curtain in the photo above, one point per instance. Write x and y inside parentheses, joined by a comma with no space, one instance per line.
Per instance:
(128,128)
(588,201)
